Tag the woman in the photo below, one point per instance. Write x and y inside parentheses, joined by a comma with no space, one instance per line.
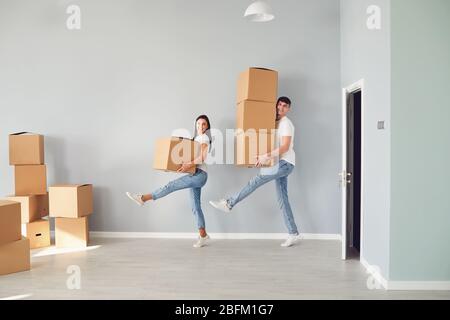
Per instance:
(193,182)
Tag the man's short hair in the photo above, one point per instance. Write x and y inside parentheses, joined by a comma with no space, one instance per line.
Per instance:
(285,100)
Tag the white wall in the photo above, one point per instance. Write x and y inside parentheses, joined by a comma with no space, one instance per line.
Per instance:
(139,69)
(366,55)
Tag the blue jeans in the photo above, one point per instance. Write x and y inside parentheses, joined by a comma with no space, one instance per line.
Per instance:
(193,182)
(280,177)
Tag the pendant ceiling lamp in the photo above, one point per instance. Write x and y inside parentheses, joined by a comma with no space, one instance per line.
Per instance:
(259,11)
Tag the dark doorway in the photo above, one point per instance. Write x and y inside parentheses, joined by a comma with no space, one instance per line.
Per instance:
(354,173)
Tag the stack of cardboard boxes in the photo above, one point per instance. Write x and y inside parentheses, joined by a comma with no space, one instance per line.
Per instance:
(14,249)
(26,154)
(71,206)
(171,152)
(257,91)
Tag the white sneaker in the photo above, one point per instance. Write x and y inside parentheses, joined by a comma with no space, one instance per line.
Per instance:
(291,240)
(136,198)
(201,242)
(222,205)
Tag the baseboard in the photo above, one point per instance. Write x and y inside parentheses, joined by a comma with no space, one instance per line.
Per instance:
(405,285)
(221,236)
(419,285)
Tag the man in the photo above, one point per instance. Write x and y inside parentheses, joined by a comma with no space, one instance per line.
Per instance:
(285,151)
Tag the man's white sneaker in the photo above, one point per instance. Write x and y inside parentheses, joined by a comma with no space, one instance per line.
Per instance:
(201,242)
(222,205)
(291,240)
(137,198)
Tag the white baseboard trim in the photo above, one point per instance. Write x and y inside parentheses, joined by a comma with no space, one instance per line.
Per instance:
(419,285)
(221,236)
(405,285)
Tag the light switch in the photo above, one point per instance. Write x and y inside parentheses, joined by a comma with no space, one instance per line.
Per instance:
(380,125)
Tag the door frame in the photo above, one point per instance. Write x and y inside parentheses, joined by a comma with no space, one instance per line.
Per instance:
(357,86)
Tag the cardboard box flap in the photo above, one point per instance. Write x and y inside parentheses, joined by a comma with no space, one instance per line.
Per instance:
(70,185)
(23,133)
(261,68)
(7,202)
(180,138)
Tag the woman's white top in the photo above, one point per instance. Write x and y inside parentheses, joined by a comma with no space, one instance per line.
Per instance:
(203,139)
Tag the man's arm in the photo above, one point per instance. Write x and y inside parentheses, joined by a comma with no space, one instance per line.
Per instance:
(264,158)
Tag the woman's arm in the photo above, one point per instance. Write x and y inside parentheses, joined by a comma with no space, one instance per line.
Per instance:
(264,158)
(185,167)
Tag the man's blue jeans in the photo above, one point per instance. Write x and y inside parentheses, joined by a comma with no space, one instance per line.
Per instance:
(280,177)
(194,183)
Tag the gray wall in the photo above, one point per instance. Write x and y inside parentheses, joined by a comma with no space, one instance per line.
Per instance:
(139,69)
(420,214)
(366,55)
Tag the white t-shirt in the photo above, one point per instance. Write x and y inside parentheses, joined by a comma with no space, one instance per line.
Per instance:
(286,129)
(203,139)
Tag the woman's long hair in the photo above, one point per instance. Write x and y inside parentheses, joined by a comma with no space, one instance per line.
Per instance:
(207,131)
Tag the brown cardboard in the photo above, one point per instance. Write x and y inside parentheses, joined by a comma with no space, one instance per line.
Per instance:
(15,256)
(71,232)
(29,207)
(26,148)
(10,220)
(30,180)
(42,205)
(257,84)
(250,144)
(171,152)
(38,232)
(256,115)
(71,200)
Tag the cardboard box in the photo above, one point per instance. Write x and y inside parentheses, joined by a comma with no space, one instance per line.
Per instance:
(256,115)
(38,232)
(250,144)
(29,207)
(30,180)
(71,232)
(170,153)
(71,200)
(42,205)
(26,148)
(15,256)
(10,221)
(257,84)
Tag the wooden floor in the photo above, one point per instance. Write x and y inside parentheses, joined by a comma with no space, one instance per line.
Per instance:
(173,269)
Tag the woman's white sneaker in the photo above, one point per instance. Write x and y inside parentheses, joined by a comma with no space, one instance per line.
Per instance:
(201,242)
(221,205)
(137,198)
(291,240)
